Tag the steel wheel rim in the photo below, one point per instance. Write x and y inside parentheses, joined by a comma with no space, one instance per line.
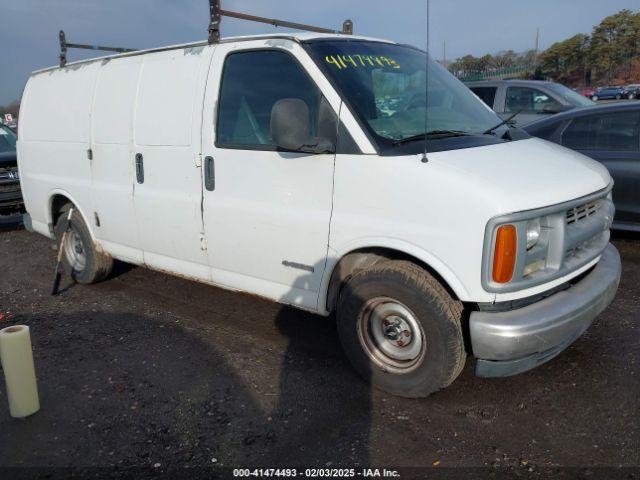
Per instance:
(74,251)
(391,335)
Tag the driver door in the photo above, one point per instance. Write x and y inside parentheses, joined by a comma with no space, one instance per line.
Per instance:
(266,212)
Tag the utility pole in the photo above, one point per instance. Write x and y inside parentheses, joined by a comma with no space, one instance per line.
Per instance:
(535,56)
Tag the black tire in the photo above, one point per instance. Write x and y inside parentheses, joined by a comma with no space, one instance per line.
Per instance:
(97,265)
(618,97)
(437,313)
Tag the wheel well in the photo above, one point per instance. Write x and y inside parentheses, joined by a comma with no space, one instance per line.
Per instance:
(58,202)
(358,260)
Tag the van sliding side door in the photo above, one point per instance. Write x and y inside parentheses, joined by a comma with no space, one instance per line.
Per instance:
(165,156)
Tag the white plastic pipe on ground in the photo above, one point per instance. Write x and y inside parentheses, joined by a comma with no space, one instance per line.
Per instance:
(19,371)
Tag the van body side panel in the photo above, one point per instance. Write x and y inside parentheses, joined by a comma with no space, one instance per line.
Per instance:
(54,138)
(168,198)
(112,166)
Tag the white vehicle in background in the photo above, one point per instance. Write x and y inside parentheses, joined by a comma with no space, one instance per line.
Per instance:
(293,167)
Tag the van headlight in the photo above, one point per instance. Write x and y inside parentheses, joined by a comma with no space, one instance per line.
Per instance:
(533,233)
(520,247)
(532,247)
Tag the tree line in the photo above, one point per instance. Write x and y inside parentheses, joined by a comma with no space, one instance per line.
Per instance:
(609,55)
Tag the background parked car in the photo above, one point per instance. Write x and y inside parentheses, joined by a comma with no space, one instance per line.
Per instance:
(632,91)
(608,93)
(531,98)
(588,91)
(610,134)
(11,204)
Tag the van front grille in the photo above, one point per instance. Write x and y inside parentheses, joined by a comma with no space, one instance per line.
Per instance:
(582,212)
(9,187)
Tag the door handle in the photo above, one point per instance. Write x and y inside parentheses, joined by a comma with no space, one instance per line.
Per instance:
(209,174)
(139,168)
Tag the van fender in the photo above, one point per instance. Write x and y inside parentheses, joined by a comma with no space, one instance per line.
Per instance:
(372,243)
(77,206)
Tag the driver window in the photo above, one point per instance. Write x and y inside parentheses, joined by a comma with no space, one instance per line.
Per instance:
(252,82)
(528,100)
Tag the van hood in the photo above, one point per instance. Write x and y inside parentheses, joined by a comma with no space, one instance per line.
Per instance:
(526,174)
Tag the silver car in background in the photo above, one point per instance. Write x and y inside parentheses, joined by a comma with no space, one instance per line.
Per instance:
(531,100)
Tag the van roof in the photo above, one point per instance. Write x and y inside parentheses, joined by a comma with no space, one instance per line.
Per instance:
(296,37)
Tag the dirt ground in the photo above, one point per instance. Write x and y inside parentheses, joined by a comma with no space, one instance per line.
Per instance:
(154,371)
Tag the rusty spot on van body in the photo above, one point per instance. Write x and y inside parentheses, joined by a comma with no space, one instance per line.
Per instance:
(280,42)
(74,67)
(193,50)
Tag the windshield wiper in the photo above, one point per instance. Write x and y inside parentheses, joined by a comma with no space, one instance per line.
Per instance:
(503,122)
(432,134)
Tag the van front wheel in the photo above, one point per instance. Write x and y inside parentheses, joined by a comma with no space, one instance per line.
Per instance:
(401,329)
(80,258)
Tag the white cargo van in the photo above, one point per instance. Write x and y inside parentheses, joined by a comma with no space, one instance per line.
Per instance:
(293,167)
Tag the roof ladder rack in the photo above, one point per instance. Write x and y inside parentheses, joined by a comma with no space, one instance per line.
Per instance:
(64,46)
(216,14)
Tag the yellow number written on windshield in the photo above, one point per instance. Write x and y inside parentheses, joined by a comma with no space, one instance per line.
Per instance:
(361,61)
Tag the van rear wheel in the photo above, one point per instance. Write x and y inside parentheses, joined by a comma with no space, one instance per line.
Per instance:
(80,258)
(401,329)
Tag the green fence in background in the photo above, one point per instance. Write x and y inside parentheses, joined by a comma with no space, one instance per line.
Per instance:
(497,73)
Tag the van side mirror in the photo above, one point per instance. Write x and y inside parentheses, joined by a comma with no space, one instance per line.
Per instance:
(290,128)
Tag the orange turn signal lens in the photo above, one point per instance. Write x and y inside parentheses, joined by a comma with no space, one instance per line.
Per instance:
(504,256)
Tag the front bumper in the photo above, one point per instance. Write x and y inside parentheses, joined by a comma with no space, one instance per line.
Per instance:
(507,343)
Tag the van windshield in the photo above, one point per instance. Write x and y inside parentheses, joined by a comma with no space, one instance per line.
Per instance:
(392,90)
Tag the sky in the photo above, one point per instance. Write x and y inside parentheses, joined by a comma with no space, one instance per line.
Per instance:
(29,28)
